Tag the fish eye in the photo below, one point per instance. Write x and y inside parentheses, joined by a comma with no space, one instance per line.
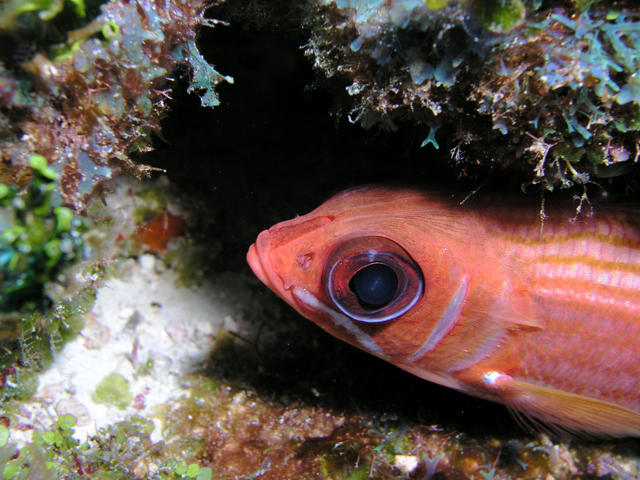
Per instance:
(374,285)
(372,279)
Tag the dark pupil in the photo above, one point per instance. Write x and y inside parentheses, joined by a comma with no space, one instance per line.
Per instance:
(375,285)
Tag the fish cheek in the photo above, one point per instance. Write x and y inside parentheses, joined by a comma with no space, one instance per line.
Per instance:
(399,336)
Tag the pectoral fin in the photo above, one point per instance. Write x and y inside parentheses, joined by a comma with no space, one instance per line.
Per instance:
(567,410)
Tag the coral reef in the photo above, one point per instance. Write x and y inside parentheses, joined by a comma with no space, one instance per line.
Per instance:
(177,364)
(217,431)
(89,98)
(84,84)
(551,89)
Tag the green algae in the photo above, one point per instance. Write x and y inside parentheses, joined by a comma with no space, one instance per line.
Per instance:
(12,11)
(500,16)
(51,453)
(39,239)
(113,390)
(436,4)
(117,452)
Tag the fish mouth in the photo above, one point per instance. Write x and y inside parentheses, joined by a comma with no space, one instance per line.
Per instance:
(259,260)
(255,262)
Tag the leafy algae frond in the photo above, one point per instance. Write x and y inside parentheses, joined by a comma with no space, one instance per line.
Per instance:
(38,238)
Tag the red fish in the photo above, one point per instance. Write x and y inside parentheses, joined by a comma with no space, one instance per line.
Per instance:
(483,299)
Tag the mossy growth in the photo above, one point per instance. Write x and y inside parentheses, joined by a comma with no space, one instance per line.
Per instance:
(151,201)
(118,452)
(31,339)
(527,78)
(52,26)
(75,50)
(39,240)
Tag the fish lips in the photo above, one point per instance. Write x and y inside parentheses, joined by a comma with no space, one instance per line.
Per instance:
(259,261)
(255,262)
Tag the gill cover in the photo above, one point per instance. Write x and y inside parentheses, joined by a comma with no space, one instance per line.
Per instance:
(372,279)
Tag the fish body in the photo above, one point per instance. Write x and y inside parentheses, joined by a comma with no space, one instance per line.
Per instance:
(485,299)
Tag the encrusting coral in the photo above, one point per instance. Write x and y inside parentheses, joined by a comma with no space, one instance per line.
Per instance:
(88,100)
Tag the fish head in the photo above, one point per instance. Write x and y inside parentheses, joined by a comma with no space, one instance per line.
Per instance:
(374,267)
(441,290)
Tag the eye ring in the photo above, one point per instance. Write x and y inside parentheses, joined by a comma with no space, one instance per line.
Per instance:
(394,281)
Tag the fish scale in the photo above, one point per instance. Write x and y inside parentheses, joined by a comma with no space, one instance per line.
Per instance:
(544,318)
(585,277)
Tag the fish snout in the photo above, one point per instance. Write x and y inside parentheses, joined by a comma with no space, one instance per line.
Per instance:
(256,264)
(258,260)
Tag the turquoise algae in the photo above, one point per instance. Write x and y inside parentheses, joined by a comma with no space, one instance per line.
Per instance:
(549,89)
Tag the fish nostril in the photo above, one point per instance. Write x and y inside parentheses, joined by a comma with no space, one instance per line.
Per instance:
(305,260)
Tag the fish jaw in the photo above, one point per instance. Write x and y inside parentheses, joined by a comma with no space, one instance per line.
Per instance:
(255,263)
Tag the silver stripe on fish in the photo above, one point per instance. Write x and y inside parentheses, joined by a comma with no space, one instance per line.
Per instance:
(340,320)
(447,321)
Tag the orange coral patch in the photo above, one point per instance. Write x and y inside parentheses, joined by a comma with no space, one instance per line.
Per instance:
(156,233)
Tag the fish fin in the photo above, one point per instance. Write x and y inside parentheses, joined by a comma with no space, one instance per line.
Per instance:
(570,411)
(435,377)
(514,309)
(511,319)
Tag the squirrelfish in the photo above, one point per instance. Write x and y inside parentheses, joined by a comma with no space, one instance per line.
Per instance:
(485,299)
